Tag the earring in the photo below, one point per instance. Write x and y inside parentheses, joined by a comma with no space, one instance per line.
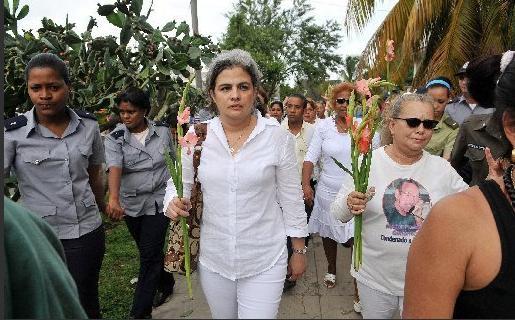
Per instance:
(513,155)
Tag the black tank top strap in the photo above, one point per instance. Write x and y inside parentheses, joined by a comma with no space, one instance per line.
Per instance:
(496,300)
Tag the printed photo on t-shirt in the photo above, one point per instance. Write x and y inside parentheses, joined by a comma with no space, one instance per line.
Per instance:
(406,204)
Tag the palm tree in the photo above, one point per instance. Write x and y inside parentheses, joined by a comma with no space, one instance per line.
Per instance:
(349,70)
(433,36)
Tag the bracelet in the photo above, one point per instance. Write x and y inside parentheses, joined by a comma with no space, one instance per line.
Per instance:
(302,251)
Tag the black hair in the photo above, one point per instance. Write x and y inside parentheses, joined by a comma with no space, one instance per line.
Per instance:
(482,74)
(137,97)
(48,60)
(277,102)
(228,60)
(436,83)
(505,97)
(301,97)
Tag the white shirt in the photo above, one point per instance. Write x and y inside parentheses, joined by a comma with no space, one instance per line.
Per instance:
(243,230)
(302,141)
(385,240)
(141,136)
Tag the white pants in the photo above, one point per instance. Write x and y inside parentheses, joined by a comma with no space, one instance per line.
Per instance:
(255,297)
(378,305)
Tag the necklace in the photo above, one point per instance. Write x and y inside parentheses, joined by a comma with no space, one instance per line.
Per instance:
(232,146)
(340,126)
(508,184)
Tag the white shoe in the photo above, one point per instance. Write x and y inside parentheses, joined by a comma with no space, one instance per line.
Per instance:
(357,306)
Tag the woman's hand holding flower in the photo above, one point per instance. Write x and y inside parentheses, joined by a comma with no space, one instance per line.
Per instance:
(357,201)
(178,207)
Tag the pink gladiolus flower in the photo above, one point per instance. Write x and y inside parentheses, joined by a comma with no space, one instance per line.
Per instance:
(189,140)
(362,88)
(364,141)
(184,117)
(390,51)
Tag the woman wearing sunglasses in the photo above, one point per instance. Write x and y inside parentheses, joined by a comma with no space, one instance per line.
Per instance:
(331,139)
(405,182)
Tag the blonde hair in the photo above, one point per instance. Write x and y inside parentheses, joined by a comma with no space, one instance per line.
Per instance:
(344,86)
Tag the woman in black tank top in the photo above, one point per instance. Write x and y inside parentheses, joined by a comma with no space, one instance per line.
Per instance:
(462,262)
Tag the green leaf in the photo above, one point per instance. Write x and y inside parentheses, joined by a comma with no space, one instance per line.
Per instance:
(169,26)
(16,3)
(159,56)
(48,43)
(6,5)
(126,34)
(23,12)
(183,28)
(338,163)
(106,10)
(194,53)
(136,6)
(116,19)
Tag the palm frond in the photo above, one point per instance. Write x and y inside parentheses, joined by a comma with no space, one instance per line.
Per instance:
(392,27)
(358,14)
(494,18)
(459,44)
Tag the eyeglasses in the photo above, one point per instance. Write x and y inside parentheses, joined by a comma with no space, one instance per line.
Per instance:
(342,101)
(415,122)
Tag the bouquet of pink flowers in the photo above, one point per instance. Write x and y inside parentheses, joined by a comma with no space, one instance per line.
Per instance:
(361,141)
(187,141)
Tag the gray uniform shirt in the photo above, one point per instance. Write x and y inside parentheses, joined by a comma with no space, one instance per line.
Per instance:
(144,171)
(52,172)
(459,110)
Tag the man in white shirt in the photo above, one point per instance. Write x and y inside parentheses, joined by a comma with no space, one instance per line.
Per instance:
(303,133)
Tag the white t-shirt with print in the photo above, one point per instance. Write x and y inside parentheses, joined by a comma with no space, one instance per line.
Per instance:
(386,234)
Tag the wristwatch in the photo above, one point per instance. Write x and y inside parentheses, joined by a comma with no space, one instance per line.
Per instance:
(300,251)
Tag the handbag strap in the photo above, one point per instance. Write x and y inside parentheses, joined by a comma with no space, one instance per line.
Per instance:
(201,132)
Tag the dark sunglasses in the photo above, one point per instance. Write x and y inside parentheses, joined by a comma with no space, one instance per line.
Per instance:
(415,122)
(342,101)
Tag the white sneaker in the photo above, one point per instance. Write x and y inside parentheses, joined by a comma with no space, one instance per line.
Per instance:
(357,306)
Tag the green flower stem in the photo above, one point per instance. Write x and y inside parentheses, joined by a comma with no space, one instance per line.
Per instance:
(175,169)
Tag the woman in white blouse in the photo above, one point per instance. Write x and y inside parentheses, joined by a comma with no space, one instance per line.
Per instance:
(246,180)
(331,139)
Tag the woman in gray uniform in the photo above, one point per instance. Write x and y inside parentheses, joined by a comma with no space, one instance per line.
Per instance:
(137,181)
(57,155)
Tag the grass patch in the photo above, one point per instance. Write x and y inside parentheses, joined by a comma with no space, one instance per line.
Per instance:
(120,265)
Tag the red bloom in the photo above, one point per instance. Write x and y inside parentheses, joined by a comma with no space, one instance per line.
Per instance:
(365,140)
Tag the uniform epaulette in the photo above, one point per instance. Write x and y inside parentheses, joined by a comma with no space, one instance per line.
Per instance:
(85,114)
(15,122)
(454,100)
(451,123)
(117,134)
(161,124)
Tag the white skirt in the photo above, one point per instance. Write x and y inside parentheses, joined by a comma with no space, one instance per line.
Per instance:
(322,220)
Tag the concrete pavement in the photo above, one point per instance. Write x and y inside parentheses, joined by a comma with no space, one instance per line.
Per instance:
(309,299)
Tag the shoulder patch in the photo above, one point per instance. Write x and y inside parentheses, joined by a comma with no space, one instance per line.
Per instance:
(454,100)
(85,114)
(117,134)
(161,124)
(15,122)
(451,123)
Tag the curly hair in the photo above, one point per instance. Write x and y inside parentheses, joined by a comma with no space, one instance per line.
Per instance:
(337,89)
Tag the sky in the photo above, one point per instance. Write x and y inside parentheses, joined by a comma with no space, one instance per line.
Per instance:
(211,15)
